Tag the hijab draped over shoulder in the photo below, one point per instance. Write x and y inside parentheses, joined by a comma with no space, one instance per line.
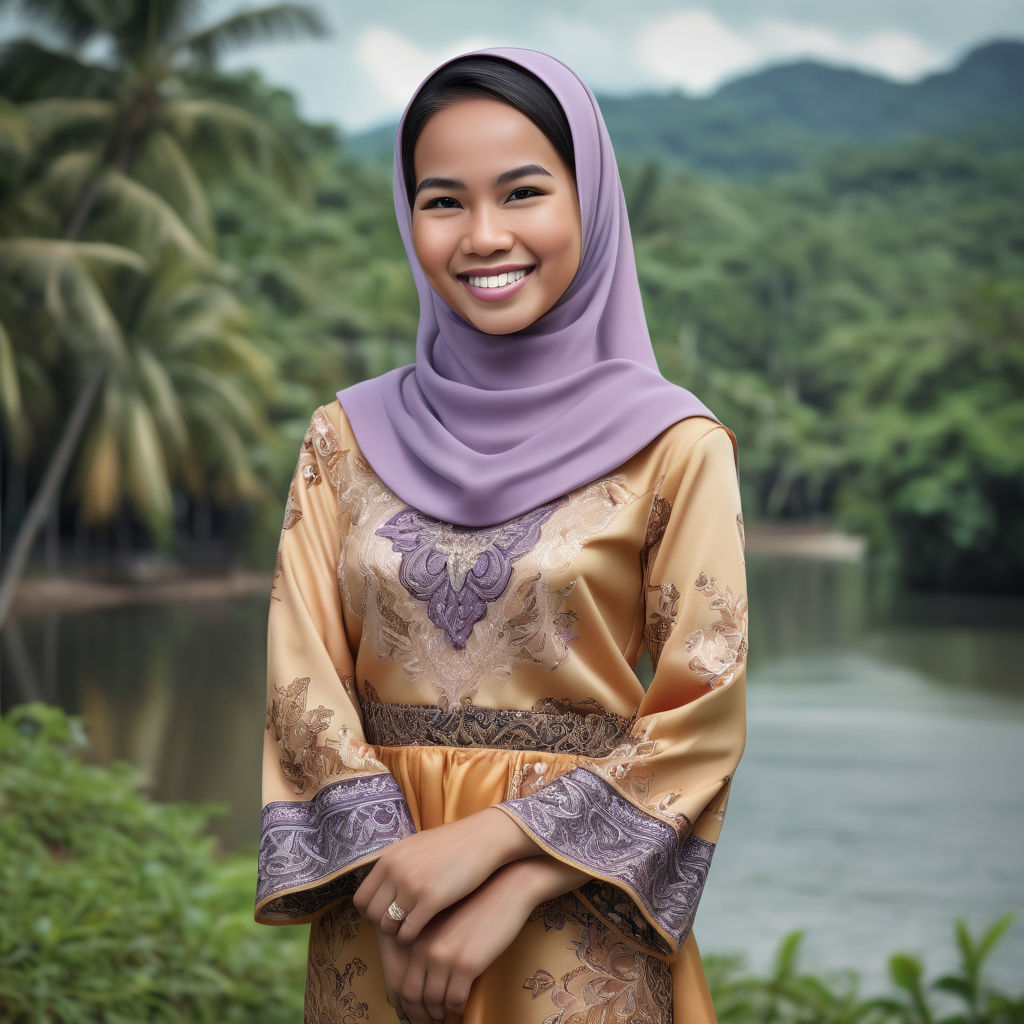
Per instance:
(484,427)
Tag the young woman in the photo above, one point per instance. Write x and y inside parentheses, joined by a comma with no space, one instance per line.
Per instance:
(466,789)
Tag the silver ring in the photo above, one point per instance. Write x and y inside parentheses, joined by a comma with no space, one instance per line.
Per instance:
(396,913)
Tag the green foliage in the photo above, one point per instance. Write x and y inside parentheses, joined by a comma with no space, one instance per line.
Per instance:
(116,908)
(787,996)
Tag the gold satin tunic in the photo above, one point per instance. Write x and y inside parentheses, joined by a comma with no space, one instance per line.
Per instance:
(420,671)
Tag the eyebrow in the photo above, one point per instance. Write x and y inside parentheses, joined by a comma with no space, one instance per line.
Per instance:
(504,178)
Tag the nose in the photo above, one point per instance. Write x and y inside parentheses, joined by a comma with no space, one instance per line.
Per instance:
(486,233)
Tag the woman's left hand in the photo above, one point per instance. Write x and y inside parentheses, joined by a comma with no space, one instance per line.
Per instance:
(460,943)
(431,870)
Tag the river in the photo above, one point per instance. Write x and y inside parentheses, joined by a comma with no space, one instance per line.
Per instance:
(881,794)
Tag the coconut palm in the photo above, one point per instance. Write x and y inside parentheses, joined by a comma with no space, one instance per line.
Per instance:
(113,152)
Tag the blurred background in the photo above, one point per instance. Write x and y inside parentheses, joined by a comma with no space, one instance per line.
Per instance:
(197,248)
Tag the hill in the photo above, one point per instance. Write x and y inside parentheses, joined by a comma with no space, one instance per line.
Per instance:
(784,117)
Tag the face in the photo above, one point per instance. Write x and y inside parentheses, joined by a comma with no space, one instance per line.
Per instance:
(496,218)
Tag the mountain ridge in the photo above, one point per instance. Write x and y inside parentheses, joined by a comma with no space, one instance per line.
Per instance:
(780,118)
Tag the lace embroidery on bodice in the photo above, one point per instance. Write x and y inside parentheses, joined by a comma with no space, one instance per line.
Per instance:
(456,605)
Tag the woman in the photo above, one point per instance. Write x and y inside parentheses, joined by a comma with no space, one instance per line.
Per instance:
(466,789)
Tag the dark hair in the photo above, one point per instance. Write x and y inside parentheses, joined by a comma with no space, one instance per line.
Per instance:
(485,76)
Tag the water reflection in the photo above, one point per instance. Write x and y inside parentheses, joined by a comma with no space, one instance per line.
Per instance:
(178,691)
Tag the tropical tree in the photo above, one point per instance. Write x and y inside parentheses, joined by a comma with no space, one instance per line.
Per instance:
(120,148)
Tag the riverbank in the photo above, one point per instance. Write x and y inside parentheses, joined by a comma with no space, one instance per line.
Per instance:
(40,595)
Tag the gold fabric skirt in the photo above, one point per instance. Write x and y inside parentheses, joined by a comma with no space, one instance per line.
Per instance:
(567,966)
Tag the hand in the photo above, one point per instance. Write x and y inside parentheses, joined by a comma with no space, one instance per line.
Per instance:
(461,942)
(431,870)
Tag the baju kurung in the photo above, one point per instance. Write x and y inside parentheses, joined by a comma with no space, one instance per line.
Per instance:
(420,671)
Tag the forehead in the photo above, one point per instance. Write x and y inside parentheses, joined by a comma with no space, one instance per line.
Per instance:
(483,135)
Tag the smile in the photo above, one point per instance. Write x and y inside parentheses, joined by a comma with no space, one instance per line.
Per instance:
(495,287)
(497,280)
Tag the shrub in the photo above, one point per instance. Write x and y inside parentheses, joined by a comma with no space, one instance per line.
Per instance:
(116,908)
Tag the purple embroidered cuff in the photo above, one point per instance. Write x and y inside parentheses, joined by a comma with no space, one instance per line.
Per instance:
(586,821)
(308,848)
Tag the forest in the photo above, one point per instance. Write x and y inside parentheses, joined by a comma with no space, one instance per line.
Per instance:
(188,268)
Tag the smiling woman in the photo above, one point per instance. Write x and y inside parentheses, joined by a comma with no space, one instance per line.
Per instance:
(466,789)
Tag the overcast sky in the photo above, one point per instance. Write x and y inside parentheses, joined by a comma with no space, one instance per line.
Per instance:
(380,50)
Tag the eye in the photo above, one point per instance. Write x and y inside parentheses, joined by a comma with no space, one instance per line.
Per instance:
(441,203)
(525,193)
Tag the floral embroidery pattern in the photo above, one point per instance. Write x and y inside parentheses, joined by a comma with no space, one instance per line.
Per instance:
(306,762)
(459,570)
(615,982)
(306,844)
(329,996)
(661,617)
(530,622)
(587,821)
(718,652)
(320,443)
(582,727)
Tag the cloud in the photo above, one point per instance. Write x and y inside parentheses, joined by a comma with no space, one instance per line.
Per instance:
(694,49)
(396,66)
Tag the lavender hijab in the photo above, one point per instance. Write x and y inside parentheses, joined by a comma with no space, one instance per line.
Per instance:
(484,427)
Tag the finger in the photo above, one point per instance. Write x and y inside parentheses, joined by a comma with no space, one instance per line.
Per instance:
(412,989)
(434,989)
(367,889)
(416,1013)
(457,994)
(377,911)
(415,921)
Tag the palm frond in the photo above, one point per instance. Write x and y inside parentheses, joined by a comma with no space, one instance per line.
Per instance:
(148,27)
(147,480)
(148,220)
(31,71)
(230,138)
(164,168)
(60,116)
(164,400)
(66,178)
(15,135)
(228,397)
(99,470)
(64,272)
(73,20)
(10,389)
(275,21)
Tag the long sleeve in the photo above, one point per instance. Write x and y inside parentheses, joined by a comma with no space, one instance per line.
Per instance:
(330,807)
(643,821)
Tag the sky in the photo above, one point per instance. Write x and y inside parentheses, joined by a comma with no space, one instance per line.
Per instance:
(380,50)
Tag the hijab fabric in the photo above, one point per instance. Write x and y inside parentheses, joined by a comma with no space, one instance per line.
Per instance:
(484,427)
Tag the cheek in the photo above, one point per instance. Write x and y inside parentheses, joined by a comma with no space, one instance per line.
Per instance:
(431,250)
(563,239)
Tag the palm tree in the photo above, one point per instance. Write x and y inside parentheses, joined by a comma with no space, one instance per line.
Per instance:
(116,146)
(178,401)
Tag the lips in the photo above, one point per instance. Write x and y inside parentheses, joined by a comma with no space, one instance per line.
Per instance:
(492,284)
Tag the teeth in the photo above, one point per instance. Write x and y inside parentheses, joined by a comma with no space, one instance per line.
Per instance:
(497,280)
